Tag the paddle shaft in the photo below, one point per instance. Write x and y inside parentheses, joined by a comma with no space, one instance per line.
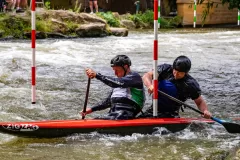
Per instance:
(86,98)
(229,126)
(182,103)
(178,101)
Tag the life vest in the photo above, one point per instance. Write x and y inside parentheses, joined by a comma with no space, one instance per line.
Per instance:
(164,103)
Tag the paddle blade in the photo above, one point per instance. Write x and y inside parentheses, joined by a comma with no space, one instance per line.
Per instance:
(231,127)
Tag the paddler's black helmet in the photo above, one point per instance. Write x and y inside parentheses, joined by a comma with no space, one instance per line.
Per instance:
(182,64)
(120,60)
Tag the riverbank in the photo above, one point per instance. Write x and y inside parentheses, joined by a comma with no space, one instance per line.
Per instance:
(69,24)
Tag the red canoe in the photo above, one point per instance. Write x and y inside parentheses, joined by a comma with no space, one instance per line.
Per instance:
(61,128)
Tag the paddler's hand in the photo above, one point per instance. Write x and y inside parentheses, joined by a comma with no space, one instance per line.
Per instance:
(150,89)
(207,114)
(88,111)
(91,73)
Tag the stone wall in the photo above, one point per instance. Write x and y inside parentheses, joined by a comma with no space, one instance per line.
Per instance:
(219,14)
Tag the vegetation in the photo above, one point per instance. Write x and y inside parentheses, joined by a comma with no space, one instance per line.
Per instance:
(146,17)
(44,26)
(71,27)
(19,26)
(110,18)
(232,3)
(77,7)
(14,26)
(47,5)
(141,20)
(171,23)
(210,4)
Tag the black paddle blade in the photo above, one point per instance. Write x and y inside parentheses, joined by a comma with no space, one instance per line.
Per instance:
(231,127)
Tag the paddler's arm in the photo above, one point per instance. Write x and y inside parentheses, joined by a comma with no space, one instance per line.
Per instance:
(195,92)
(124,82)
(127,81)
(88,111)
(100,106)
(202,106)
(147,80)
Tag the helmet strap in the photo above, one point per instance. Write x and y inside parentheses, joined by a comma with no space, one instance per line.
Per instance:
(125,71)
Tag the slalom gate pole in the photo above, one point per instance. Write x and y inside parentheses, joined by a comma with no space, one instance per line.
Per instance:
(238,16)
(33,38)
(195,14)
(159,13)
(155,60)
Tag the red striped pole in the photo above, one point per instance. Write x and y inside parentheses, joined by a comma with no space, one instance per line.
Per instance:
(33,37)
(155,59)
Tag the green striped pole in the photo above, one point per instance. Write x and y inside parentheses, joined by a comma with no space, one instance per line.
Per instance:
(195,14)
(159,13)
(238,16)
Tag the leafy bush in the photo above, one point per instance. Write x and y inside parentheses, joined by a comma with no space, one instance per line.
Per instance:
(71,27)
(171,23)
(146,17)
(47,5)
(44,26)
(13,26)
(77,7)
(110,18)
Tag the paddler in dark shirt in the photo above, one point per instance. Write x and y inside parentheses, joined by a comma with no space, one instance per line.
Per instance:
(176,82)
(127,97)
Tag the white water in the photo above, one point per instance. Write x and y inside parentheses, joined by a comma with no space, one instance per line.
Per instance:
(61,86)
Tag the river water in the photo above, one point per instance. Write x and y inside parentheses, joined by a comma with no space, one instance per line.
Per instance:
(61,86)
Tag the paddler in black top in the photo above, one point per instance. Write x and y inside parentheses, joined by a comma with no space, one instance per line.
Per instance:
(127,97)
(176,82)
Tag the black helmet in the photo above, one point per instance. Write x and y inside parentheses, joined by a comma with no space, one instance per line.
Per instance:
(182,64)
(120,60)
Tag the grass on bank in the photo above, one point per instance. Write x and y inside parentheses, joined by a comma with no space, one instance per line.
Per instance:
(110,18)
(14,26)
(141,19)
(146,17)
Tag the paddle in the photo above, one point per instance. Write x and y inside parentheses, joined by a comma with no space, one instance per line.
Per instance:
(229,126)
(86,98)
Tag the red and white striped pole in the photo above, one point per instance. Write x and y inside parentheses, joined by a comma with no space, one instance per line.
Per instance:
(155,60)
(33,52)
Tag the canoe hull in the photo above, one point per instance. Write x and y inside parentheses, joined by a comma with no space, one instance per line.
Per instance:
(61,128)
